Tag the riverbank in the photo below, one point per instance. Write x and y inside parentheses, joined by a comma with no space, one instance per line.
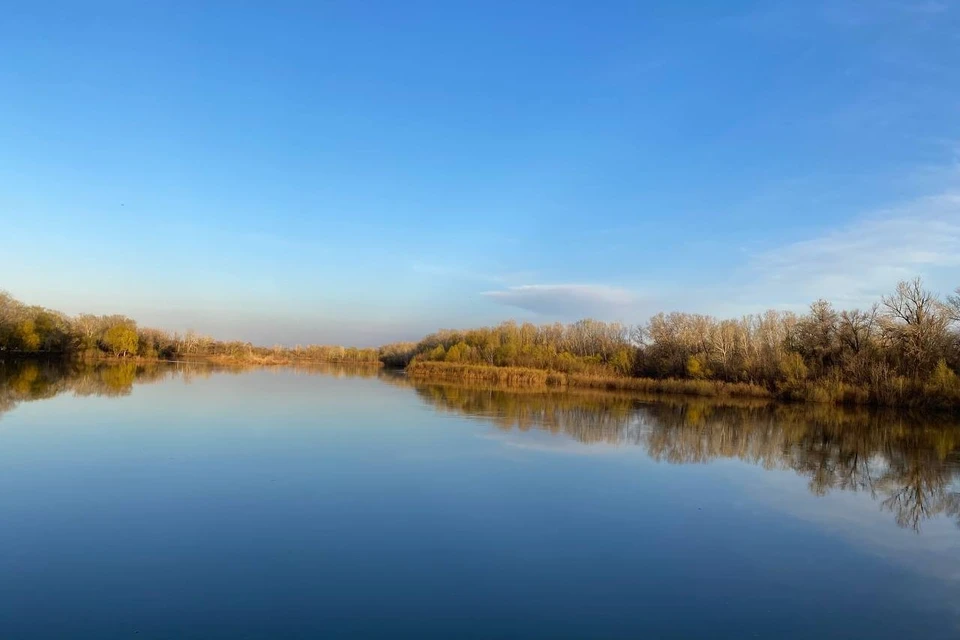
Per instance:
(896,392)
(225,360)
(538,378)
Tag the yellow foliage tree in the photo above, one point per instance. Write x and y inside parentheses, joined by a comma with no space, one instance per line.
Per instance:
(27,336)
(695,368)
(121,339)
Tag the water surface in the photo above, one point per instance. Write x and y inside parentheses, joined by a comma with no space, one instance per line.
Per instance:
(190,502)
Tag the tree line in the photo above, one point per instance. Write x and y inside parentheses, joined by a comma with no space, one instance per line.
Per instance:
(905,349)
(33,330)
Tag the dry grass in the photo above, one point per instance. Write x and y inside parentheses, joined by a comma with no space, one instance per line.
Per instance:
(538,378)
(472,373)
(898,393)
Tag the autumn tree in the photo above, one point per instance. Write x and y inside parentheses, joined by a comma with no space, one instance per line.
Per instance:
(88,328)
(26,336)
(121,339)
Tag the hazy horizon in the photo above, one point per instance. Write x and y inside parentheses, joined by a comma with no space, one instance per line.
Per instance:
(358,175)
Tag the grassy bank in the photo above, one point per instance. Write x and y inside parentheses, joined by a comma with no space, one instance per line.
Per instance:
(538,378)
(897,392)
(479,374)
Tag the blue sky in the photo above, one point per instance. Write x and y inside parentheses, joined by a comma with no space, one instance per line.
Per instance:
(361,172)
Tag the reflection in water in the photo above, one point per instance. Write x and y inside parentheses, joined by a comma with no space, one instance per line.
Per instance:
(27,380)
(23,380)
(909,463)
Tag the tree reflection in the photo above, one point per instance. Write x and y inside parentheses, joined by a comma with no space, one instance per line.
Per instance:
(25,380)
(908,463)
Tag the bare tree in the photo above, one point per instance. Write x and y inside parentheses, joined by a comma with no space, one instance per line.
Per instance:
(916,322)
(953,305)
(857,328)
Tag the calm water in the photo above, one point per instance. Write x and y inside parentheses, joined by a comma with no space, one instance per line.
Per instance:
(188,503)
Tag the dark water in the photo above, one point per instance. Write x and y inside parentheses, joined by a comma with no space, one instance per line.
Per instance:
(174,502)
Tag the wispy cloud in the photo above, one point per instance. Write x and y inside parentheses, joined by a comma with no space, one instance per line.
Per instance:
(566,300)
(863,259)
(852,264)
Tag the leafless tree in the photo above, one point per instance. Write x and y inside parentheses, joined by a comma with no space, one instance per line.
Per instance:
(916,322)
(857,328)
(953,305)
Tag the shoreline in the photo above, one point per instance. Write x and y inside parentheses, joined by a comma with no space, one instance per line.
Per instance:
(253,359)
(827,392)
(818,392)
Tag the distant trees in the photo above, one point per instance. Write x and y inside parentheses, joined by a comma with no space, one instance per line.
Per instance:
(587,346)
(884,354)
(32,329)
(35,330)
(904,350)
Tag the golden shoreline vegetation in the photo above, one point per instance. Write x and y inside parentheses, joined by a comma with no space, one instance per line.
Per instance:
(902,351)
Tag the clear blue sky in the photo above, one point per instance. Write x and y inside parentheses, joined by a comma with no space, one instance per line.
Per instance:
(359,172)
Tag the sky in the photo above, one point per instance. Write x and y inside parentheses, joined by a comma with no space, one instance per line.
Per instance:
(346,172)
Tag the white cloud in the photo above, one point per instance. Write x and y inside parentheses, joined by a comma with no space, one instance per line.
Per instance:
(860,261)
(853,265)
(566,300)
